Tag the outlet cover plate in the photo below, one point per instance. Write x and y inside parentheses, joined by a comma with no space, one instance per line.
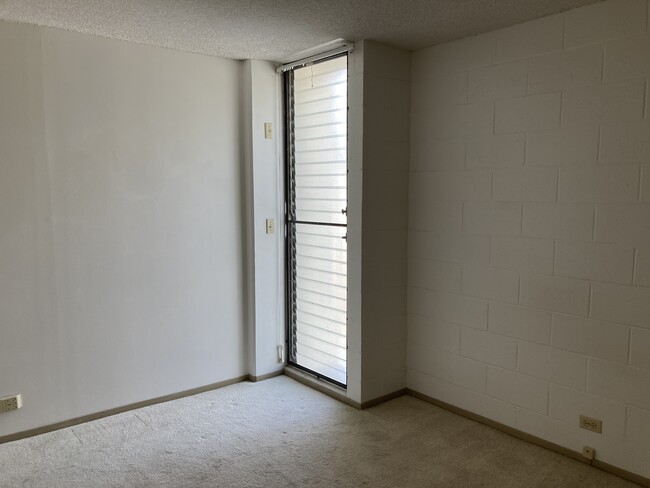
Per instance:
(592,424)
(11,403)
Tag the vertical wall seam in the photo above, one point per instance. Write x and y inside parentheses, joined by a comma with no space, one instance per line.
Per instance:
(598,143)
(462,216)
(629,346)
(517,356)
(490,250)
(593,225)
(525,148)
(465,151)
(554,256)
(550,338)
(645,101)
(640,183)
(602,67)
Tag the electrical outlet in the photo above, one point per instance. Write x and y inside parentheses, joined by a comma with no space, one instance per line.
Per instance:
(588,452)
(11,403)
(592,424)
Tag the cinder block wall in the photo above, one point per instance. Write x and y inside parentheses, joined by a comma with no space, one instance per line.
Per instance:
(529,228)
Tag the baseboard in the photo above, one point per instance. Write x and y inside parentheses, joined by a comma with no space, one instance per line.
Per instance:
(266,376)
(317,384)
(337,392)
(621,473)
(384,398)
(114,411)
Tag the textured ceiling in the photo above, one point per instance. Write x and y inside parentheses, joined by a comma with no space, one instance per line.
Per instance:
(276,30)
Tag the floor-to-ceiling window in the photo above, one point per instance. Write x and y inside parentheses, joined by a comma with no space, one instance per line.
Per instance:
(316,109)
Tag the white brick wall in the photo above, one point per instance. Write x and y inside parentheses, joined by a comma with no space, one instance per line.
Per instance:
(524,323)
(525,185)
(504,80)
(488,348)
(554,293)
(565,69)
(591,337)
(495,151)
(529,113)
(568,222)
(492,283)
(639,356)
(559,367)
(627,142)
(605,21)
(563,147)
(492,218)
(522,254)
(529,289)
(594,261)
(518,389)
(604,184)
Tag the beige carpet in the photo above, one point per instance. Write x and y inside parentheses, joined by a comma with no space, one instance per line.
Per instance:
(279,433)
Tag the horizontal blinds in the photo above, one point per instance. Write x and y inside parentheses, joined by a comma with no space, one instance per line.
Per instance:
(321,299)
(320,131)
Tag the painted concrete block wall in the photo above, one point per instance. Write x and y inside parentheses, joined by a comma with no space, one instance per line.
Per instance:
(121,275)
(385,173)
(529,228)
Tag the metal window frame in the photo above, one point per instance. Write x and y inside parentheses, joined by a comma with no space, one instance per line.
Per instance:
(290,207)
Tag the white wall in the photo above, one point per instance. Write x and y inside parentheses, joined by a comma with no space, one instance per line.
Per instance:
(385,172)
(121,270)
(378,156)
(266,264)
(529,236)
(355,211)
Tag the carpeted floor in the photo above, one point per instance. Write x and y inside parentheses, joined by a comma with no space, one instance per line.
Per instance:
(279,433)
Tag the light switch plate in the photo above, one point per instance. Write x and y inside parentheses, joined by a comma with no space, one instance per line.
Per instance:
(270,226)
(268,130)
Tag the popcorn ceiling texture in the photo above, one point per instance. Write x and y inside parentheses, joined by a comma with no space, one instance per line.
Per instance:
(254,29)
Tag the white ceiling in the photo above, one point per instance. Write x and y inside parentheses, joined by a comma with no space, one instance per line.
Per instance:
(277,29)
